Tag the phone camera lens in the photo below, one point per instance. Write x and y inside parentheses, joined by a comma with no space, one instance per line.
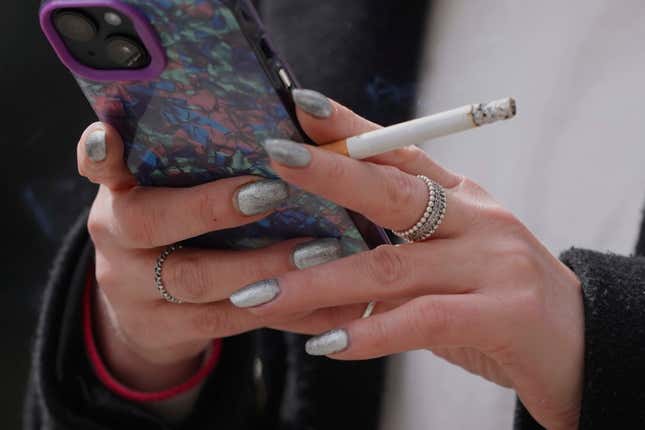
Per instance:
(75,26)
(126,52)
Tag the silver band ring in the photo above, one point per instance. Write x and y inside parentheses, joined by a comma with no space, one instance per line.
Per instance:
(368,310)
(432,216)
(159,281)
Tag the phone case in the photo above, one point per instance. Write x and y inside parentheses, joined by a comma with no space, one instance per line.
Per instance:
(207,112)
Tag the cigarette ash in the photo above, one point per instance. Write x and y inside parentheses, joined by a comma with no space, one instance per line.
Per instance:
(498,110)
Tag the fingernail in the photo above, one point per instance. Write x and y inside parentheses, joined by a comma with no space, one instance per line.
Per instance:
(256,294)
(288,153)
(313,103)
(261,196)
(328,343)
(316,252)
(95,146)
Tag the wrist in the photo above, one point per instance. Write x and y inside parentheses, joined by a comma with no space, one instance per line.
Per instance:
(128,373)
(130,364)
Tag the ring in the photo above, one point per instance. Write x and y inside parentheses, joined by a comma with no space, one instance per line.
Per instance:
(158,269)
(432,216)
(368,310)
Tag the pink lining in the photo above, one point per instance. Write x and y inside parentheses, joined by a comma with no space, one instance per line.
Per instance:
(115,386)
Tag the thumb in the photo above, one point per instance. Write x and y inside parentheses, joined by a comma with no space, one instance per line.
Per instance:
(100,158)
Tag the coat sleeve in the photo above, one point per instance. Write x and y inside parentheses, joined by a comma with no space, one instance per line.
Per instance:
(614,374)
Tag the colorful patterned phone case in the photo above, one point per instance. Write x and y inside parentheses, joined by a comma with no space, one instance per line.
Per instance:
(201,111)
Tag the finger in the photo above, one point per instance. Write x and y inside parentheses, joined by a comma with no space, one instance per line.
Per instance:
(326,121)
(425,322)
(384,194)
(100,158)
(190,322)
(194,322)
(322,320)
(152,217)
(384,274)
(165,324)
(202,276)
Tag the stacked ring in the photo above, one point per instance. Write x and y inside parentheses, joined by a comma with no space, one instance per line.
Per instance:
(432,216)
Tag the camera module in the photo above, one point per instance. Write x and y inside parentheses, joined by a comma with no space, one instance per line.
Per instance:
(102,38)
(75,26)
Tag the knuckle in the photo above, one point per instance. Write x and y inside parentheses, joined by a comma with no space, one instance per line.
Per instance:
(429,317)
(97,227)
(357,124)
(414,155)
(528,306)
(516,265)
(521,262)
(109,279)
(336,172)
(502,216)
(471,187)
(185,274)
(401,191)
(490,216)
(105,277)
(379,330)
(481,208)
(519,258)
(385,265)
(206,208)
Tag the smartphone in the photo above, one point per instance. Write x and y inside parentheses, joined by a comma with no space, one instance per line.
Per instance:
(194,87)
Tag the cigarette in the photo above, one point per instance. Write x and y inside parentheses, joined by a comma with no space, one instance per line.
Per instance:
(423,129)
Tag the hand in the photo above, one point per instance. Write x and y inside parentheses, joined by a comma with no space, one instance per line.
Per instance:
(483,293)
(148,343)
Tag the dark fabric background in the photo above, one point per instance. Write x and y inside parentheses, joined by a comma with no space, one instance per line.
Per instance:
(362,52)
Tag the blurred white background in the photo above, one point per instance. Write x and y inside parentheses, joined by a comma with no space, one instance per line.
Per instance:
(571,165)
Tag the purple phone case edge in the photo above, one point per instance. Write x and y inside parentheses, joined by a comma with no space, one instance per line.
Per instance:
(148,36)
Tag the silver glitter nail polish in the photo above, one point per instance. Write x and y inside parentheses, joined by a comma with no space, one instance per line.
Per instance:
(328,343)
(95,146)
(313,103)
(261,196)
(288,153)
(256,294)
(316,252)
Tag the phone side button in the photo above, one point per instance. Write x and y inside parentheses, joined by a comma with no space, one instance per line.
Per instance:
(284,77)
